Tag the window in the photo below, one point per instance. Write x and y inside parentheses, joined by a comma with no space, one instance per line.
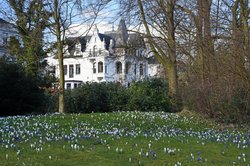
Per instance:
(52,70)
(78,69)
(141,69)
(5,38)
(75,85)
(135,69)
(68,86)
(71,71)
(118,67)
(128,65)
(94,68)
(94,51)
(65,69)
(106,69)
(78,48)
(100,67)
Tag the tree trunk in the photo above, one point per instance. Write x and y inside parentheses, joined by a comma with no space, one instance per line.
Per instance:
(172,64)
(204,40)
(165,55)
(59,47)
(171,77)
(61,80)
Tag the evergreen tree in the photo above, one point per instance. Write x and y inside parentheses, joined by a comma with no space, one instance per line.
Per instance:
(32,19)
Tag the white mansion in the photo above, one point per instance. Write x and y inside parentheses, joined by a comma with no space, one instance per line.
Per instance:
(115,56)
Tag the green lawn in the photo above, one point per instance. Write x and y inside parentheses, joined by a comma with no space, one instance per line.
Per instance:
(121,138)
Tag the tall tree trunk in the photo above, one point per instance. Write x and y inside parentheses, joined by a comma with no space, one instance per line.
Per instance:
(240,39)
(172,63)
(59,47)
(204,40)
(167,57)
(61,79)
(171,75)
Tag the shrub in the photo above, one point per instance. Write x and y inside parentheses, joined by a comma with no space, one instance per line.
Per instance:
(88,98)
(224,101)
(117,97)
(148,95)
(95,97)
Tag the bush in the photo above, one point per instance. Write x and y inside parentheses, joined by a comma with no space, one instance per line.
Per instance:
(95,97)
(19,93)
(88,98)
(224,101)
(149,95)
(145,95)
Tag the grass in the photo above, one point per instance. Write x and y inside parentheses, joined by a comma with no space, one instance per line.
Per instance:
(121,138)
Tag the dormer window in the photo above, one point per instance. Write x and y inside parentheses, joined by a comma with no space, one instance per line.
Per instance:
(94,51)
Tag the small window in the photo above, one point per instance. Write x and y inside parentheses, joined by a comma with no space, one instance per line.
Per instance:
(5,38)
(141,69)
(128,65)
(78,69)
(94,68)
(94,51)
(100,67)
(75,85)
(135,69)
(118,67)
(53,70)
(106,69)
(71,71)
(68,86)
(65,69)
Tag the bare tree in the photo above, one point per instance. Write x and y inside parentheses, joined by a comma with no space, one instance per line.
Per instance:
(64,14)
(158,19)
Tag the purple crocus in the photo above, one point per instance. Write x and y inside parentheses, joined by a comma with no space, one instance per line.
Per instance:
(152,153)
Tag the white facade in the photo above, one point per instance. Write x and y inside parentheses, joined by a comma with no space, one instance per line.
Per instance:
(114,56)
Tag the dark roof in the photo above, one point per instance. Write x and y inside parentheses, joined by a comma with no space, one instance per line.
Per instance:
(106,38)
(152,60)
(136,40)
(2,21)
(120,36)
